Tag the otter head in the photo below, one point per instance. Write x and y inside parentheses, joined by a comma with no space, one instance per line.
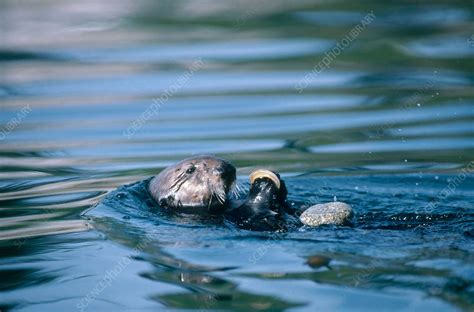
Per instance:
(194,185)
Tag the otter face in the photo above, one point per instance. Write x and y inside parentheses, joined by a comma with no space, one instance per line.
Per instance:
(194,185)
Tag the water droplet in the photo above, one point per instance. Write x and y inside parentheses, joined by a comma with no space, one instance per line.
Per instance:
(406,160)
(436,178)
(356,187)
(417,184)
(335,198)
(418,104)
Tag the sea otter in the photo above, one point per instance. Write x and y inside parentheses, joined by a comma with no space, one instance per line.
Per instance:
(202,184)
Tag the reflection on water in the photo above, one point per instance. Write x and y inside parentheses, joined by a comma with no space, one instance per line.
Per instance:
(385,126)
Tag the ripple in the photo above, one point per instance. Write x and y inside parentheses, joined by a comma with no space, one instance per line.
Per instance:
(202,107)
(452,128)
(433,15)
(396,145)
(332,18)
(46,228)
(453,46)
(262,49)
(202,83)
(184,148)
(231,128)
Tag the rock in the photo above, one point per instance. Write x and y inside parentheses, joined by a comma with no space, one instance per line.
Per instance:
(317,261)
(336,213)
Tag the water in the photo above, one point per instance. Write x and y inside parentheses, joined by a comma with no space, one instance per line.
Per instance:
(386,126)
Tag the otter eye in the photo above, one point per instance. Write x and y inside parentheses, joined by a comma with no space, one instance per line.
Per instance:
(191,170)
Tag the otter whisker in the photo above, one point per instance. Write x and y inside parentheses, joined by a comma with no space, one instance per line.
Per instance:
(232,191)
(237,189)
(218,193)
(210,187)
(210,203)
(221,197)
(215,193)
(240,187)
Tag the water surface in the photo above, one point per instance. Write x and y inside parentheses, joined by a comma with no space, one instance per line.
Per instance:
(386,126)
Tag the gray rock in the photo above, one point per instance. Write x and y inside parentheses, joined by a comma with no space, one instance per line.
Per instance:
(336,213)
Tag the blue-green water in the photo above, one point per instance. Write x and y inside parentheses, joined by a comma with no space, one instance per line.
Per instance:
(369,103)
